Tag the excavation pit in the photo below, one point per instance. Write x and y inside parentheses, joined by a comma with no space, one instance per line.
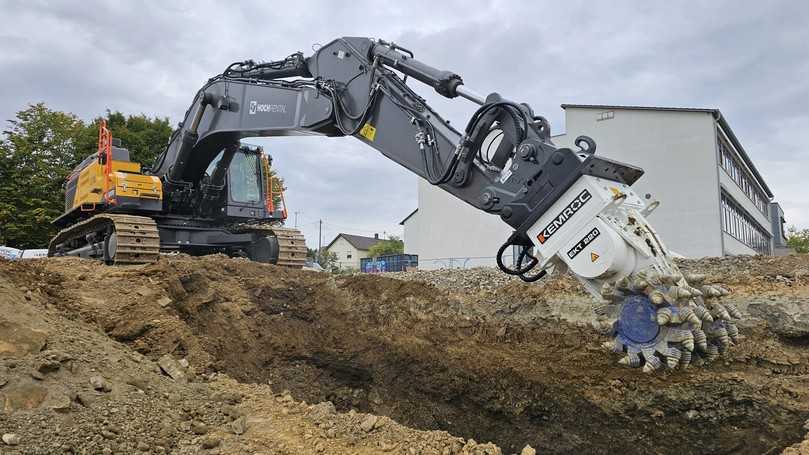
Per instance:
(503,364)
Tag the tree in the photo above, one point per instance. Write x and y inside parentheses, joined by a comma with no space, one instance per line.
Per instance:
(37,153)
(798,239)
(39,150)
(327,259)
(393,245)
(144,137)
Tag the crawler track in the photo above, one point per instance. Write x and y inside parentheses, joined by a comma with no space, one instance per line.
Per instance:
(137,238)
(291,243)
(291,247)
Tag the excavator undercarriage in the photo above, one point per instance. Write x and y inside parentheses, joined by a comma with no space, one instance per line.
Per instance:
(116,238)
(121,239)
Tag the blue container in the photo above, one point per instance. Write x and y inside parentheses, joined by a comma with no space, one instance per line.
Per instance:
(389,263)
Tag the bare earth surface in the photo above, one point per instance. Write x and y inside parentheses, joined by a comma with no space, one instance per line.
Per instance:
(219,355)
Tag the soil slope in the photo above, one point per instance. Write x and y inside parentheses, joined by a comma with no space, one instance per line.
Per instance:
(93,360)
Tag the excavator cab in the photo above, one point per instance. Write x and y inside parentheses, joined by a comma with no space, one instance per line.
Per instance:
(242,187)
(244,177)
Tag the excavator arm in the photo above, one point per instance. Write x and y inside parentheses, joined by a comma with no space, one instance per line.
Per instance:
(350,87)
(569,208)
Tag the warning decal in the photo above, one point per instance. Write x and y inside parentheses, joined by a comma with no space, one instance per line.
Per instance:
(368,131)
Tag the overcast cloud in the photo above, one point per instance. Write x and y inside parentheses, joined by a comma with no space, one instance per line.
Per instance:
(749,59)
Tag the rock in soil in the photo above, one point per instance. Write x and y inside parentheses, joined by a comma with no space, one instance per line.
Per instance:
(239,426)
(199,428)
(209,442)
(172,368)
(11,439)
(60,402)
(368,423)
(49,366)
(100,384)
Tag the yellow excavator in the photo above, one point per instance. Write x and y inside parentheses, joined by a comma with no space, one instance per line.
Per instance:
(116,212)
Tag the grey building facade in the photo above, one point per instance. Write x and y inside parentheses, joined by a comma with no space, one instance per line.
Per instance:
(779,236)
(714,201)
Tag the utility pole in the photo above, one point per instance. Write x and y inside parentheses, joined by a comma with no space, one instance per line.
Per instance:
(319,240)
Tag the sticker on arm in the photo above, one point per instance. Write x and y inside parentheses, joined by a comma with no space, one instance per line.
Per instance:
(368,131)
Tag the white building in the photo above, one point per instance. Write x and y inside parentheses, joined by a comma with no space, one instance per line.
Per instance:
(714,201)
(349,249)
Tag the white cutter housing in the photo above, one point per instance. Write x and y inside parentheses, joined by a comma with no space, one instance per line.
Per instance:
(598,229)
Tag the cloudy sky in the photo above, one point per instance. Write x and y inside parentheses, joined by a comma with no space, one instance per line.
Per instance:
(749,59)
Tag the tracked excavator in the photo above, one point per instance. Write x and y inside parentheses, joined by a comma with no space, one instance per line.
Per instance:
(116,212)
(570,208)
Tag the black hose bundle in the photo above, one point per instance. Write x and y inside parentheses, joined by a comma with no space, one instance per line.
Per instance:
(520,270)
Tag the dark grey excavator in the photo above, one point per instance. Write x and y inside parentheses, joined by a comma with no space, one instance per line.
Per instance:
(570,209)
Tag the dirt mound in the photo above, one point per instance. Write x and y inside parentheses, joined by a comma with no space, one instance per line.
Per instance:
(510,363)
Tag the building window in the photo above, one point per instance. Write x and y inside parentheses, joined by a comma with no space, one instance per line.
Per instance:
(730,163)
(348,255)
(741,226)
